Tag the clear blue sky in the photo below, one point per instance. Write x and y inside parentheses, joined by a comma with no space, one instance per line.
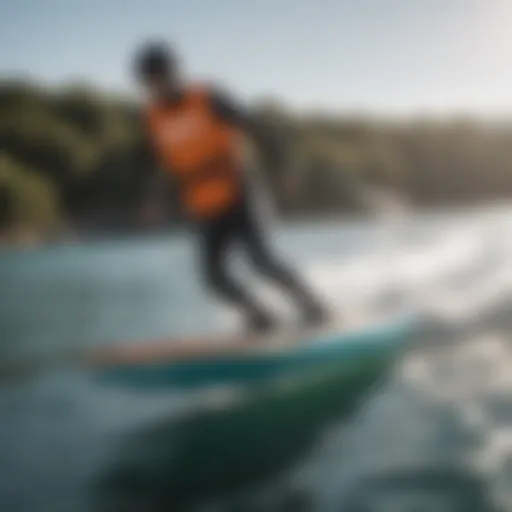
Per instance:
(386,56)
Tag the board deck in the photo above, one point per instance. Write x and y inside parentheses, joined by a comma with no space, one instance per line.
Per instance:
(222,344)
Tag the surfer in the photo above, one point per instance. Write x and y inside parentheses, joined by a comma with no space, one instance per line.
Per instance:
(195,134)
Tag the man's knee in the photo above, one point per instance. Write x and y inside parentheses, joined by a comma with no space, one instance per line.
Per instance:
(266,263)
(214,275)
(217,281)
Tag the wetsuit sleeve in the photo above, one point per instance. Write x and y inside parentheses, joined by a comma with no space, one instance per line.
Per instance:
(228,109)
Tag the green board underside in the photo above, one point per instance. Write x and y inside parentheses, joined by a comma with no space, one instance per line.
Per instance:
(252,441)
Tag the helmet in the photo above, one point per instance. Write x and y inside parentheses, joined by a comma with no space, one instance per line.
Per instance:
(154,59)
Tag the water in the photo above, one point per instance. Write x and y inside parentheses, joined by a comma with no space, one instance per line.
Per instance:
(437,436)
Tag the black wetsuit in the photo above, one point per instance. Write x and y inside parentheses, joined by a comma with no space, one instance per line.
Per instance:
(241,226)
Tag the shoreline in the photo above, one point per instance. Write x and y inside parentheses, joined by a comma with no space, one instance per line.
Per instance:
(32,240)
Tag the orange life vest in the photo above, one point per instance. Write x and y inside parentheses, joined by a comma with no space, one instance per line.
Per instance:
(202,151)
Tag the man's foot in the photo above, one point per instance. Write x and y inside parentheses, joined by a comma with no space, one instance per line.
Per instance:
(261,323)
(315,315)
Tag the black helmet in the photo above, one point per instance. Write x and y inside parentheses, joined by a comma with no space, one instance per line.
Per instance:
(154,59)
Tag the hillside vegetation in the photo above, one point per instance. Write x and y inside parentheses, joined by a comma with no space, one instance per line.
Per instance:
(68,157)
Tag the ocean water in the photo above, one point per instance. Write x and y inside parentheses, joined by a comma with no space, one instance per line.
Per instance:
(436,436)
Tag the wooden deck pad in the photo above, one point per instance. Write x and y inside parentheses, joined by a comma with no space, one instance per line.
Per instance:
(230,344)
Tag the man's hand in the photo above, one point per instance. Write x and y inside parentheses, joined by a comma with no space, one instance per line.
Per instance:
(151,213)
(289,184)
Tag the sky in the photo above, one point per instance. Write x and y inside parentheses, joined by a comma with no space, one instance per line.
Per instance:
(377,56)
